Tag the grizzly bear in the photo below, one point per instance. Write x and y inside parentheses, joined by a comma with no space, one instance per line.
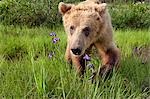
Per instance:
(88,24)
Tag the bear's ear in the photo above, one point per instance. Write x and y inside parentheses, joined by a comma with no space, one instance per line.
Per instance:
(101,8)
(63,8)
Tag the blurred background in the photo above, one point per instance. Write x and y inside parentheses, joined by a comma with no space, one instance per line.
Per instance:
(34,13)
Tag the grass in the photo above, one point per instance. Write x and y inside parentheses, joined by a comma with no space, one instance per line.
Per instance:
(26,71)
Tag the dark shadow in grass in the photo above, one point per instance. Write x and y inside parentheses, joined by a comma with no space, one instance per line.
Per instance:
(45,50)
(143,53)
(15,53)
(135,72)
(145,86)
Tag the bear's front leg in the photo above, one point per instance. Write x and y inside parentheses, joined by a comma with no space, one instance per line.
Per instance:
(79,63)
(110,58)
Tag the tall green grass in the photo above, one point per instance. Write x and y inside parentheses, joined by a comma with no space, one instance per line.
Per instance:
(26,71)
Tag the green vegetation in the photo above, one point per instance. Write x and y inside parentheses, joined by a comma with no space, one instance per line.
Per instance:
(30,12)
(45,13)
(33,67)
(27,71)
(130,16)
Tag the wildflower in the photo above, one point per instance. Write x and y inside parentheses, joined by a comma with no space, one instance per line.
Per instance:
(51,54)
(55,40)
(52,34)
(90,65)
(86,57)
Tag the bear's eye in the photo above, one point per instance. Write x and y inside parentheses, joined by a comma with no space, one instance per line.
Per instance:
(86,31)
(72,28)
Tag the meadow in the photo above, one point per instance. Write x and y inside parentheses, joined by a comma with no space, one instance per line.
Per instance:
(32,66)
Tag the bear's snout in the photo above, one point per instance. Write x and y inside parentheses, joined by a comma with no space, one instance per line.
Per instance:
(76,51)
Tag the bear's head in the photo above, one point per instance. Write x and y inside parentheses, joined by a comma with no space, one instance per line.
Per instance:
(83,23)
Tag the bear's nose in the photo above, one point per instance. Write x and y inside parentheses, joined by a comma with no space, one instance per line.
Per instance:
(76,51)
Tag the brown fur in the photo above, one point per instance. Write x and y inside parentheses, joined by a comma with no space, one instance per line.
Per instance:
(88,24)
